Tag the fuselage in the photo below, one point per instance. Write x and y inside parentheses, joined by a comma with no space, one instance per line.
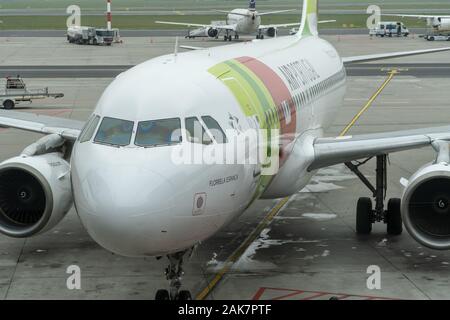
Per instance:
(137,197)
(247,21)
(439,24)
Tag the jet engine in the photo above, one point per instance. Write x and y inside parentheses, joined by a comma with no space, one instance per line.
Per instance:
(35,194)
(271,32)
(213,32)
(426,206)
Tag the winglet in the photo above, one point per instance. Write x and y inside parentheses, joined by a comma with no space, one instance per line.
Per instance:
(310,19)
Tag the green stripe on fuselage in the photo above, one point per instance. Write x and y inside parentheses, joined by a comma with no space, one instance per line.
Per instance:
(254,99)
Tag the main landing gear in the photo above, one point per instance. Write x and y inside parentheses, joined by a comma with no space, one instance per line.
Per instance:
(174,273)
(366,214)
(260,36)
(228,36)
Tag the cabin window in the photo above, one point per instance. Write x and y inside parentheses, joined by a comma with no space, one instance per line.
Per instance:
(195,132)
(89,129)
(114,132)
(215,129)
(157,133)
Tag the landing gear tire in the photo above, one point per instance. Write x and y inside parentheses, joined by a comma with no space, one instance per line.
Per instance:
(162,295)
(9,104)
(184,295)
(174,273)
(394,218)
(364,215)
(230,38)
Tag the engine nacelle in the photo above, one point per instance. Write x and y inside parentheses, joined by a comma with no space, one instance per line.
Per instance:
(35,194)
(271,32)
(426,206)
(213,32)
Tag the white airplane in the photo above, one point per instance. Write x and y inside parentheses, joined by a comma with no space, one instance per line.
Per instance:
(239,21)
(120,169)
(437,23)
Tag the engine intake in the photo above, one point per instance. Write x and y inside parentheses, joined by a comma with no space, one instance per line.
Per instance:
(213,32)
(35,194)
(426,206)
(271,32)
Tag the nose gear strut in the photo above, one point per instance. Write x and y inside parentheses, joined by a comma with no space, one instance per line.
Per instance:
(174,273)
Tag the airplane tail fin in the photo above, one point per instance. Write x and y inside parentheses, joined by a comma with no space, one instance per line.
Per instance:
(310,19)
(252,5)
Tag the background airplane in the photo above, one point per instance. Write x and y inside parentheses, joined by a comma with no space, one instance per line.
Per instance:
(238,21)
(439,24)
(119,171)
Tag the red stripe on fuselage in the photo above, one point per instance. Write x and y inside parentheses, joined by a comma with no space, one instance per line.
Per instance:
(280,95)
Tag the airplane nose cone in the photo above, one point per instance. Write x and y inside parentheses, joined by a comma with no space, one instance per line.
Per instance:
(124,208)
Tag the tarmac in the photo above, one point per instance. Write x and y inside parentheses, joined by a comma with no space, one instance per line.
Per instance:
(309,249)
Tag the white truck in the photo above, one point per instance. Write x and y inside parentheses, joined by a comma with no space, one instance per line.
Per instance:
(16,92)
(389,29)
(91,35)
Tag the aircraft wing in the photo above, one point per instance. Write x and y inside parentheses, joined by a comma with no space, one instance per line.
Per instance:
(185,24)
(331,151)
(229,27)
(275,12)
(326,21)
(66,128)
(234,13)
(188,24)
(258,14)
(287,25)
(382,56)
(419,16)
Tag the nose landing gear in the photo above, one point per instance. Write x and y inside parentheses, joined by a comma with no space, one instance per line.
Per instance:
(174,273)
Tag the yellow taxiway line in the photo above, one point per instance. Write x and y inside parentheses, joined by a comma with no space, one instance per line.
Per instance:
(241,249)
(280,204)
(369,103)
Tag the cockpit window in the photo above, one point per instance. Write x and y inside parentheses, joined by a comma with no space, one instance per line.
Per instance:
(215,129)
(115,132)
(89,129)
(158,133)
(195,132)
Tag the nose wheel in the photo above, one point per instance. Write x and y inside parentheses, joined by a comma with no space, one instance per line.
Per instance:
(366,214)
(174,273)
